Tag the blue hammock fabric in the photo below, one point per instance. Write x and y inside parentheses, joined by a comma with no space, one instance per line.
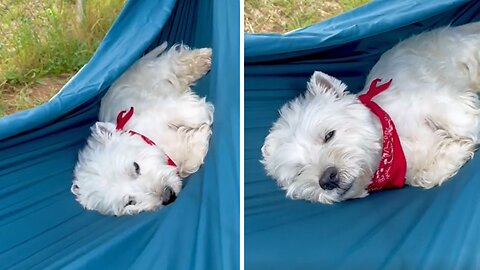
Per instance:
(409,228)
(41,224)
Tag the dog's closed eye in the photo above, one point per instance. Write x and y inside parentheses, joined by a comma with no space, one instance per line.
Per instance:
(131,201)
(137,168)
(299,168)
(329,136)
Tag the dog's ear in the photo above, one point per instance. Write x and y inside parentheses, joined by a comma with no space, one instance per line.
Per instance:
(75,189)
(321,83)
(103,130)
(268,147)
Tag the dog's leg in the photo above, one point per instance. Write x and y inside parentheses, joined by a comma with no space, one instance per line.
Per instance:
(192,148)
(454,137)
(197,112)
(190,65)
(462,119)
(444,161)
(193,131)
(180,67)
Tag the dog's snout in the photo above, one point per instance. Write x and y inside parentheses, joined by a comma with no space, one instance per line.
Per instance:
(329,179)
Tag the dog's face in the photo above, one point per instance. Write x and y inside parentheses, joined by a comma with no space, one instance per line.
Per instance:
(324,147)
(119,174)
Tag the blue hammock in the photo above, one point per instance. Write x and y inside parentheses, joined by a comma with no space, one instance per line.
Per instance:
(43,227)
(409,228)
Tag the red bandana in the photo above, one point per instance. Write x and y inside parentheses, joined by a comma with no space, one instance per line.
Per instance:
(393,166)
(122,119)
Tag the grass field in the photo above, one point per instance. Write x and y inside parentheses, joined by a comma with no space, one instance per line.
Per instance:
(42,43)
(281,16)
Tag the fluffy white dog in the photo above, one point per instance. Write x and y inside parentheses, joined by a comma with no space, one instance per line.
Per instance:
(153,131)
(328,145)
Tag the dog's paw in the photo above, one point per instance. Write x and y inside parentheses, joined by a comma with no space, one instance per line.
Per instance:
(197,145)
(201,61)
(444,163)
(193,65)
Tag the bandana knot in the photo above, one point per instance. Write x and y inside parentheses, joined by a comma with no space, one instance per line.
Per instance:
(393,166)
(123,117)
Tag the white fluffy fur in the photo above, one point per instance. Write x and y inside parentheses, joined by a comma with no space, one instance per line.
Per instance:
(166,111)
(433,101)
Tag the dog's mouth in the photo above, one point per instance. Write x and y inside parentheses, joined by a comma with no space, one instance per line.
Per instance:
(343,190)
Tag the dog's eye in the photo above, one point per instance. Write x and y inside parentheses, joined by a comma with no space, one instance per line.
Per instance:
(137,168)
(329,135)
(300,168)
(131,201)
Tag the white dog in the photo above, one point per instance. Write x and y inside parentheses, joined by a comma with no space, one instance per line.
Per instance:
(153,131)
(329,145)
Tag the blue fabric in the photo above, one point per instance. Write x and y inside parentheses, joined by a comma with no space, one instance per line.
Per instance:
(41,225)
(409,228)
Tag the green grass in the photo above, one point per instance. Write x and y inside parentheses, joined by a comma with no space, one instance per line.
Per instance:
(351,4)
(43,38)
(285,15)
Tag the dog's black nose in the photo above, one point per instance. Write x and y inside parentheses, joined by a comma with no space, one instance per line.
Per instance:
(168,196)
(329,179)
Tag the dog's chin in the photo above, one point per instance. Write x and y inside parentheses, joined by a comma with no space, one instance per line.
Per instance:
(340,194)
(133,210)
(354,191)
(311,191)
(344,191)
(113,208)
(110,208)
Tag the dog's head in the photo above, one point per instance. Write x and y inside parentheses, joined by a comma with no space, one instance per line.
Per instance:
(324,147)
(119,174)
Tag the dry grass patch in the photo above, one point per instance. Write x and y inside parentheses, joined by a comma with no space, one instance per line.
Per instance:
(282,16)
